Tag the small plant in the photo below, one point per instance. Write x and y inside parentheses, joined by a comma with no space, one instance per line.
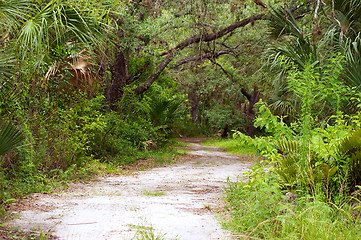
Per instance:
(147,233)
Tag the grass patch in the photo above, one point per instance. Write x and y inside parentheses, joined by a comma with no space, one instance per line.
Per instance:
(183,151)
(178,143)
(164,156)
(153,193)
(231,145)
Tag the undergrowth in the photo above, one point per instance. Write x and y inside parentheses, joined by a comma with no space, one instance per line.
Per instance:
(261,210)
(307,186)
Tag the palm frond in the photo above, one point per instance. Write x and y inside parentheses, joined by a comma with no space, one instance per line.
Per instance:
(164,111)
(347,16)
(283,107)
(289,146)
(330,41)
(55,25)
(281,22)
(297,52)
(10,137)
(352,72)
(33,37)
(73,25)
(13,10)
(79,74)
(6,66)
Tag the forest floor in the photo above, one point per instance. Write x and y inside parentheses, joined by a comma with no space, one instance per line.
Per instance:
(178,201)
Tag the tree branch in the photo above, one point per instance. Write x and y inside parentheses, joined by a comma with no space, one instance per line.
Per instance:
(246,94)
(200,57)
(228,74)
(316,11)
(214,36)
(194,39)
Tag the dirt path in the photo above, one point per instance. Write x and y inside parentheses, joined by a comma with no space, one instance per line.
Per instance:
(173,202)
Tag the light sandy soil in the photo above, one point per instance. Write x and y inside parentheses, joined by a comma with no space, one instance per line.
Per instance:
(179,201)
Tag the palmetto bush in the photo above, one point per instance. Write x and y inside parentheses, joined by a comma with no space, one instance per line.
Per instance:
(349,152)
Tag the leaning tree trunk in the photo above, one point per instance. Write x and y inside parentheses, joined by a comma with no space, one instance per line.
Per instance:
(253,98)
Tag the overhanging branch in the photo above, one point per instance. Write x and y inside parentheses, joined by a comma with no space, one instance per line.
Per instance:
(200,57)
(192,40)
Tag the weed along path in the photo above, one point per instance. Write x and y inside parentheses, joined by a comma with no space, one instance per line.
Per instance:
(177,201)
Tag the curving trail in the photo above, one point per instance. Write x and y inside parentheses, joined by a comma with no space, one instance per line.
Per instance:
(172,202)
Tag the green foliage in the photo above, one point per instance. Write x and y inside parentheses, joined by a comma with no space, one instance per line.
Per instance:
(319,88)
(317,160)
(223,116)
(122,141)
(64,132)
(352,54)
(13,10)
(145,123)
(305,154)
(56,23)
(63,139)
(272,124)
(56,146)
(164,112)
(147,233)
(287,167)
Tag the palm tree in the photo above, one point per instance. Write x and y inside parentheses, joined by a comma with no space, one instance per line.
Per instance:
(54,34)
(293,48)
(59,23)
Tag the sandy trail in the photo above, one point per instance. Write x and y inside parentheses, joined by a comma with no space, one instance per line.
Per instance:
(172,202)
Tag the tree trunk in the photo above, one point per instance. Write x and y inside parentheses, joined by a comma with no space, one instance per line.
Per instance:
(224,133)
(194,100)
(119,76)
(253,98)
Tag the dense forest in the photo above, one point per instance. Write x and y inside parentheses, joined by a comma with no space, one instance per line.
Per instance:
(99,84)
